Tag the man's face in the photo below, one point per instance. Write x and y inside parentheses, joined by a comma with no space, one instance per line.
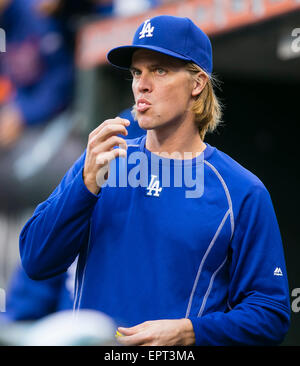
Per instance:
(162,89)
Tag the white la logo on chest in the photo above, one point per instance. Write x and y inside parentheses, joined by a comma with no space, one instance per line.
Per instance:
(147,30)
(154,187)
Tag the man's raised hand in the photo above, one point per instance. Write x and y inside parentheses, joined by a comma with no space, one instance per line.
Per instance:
(103,146)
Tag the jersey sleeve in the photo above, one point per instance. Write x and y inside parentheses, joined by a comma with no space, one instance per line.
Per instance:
(54,235)
(258,295)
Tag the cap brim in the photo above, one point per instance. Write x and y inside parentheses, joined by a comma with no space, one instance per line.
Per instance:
(122,56)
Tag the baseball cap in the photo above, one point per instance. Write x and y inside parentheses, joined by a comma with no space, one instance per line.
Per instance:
(174,36)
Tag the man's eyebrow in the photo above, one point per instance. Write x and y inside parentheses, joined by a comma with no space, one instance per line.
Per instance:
(153,66)
(132,68)
(150,66)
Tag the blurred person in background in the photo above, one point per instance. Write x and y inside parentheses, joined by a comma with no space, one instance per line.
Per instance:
(36,86)
(29,300)
(36,70)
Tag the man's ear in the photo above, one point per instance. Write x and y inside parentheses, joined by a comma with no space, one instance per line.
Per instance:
(199,83)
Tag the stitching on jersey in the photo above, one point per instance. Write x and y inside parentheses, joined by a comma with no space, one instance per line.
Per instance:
(76,288)
(83,277)
(228,304)
(203,260)
(208,291)
(226,192)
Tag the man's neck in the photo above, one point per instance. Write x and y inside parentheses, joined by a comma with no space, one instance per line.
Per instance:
(186,142)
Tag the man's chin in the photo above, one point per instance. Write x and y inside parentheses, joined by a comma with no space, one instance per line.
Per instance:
(146,123)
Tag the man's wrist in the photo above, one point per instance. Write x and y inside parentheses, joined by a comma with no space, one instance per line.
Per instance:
(188,334)
(91,186)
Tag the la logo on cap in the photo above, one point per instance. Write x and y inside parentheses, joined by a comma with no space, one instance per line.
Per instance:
(147,30)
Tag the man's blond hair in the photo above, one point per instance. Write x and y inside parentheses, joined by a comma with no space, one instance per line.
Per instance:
(207,107)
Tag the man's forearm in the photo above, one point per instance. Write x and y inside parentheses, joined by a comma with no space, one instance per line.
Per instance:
(52,238)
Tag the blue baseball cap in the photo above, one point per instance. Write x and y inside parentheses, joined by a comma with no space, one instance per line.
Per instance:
(174,36)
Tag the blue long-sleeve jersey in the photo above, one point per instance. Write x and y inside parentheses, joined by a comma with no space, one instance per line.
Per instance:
(147,251)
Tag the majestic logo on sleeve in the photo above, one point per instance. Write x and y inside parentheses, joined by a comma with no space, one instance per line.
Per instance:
(278,271)
(154,187)
(147,30)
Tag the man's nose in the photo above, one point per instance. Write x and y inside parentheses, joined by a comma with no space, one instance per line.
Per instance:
(145,83)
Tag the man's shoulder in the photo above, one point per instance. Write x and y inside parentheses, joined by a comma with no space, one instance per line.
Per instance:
(234,175)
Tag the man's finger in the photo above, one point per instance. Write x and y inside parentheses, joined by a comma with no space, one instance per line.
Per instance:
(102,175)
(106,133)
(106,157)
(117,120)
(132,340)
(109,144)
(103,160)
(134,329)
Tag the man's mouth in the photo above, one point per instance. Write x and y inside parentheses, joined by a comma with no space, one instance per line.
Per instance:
(142,105)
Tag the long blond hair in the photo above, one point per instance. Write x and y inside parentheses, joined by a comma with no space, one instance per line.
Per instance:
(207,107)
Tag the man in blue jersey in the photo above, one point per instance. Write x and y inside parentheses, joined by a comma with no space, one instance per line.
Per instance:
(176,241)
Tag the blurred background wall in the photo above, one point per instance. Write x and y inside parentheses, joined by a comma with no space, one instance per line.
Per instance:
(256,45)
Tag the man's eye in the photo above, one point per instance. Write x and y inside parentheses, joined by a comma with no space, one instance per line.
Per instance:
(160,71)
(135,73)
